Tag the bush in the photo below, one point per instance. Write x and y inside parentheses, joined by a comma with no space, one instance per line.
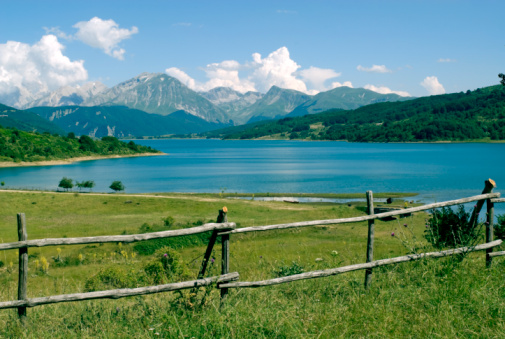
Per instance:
(166,266)
(168,221)
(284,271)
(447,228)
(110,277)
(499,229)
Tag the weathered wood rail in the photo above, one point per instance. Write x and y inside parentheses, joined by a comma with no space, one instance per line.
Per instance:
(222,228)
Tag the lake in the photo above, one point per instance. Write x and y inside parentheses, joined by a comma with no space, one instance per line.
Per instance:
(436,171)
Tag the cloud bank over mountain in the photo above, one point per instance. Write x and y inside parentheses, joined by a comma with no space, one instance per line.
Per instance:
(27,71)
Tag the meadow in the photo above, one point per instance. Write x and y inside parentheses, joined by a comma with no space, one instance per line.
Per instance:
(449,297)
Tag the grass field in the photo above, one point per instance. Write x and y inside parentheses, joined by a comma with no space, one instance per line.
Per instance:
(431,298)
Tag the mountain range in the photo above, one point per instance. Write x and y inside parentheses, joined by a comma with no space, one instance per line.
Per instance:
(136,106)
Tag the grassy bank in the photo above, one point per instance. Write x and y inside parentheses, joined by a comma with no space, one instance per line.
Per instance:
(445,298)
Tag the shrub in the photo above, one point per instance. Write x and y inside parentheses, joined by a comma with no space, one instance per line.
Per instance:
(284,271)
(166,266)
(499,228)
(110,277)
(449,228)
(168,221)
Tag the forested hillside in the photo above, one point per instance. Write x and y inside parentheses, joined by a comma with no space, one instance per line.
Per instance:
(26,121)
(17,146)
(477,115)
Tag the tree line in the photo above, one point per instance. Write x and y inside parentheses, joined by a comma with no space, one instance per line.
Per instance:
(474,115)
(17,146)
(67,184)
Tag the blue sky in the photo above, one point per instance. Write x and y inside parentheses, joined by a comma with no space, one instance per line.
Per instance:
(413,48)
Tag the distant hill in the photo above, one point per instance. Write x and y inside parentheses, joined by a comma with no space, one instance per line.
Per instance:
(26,121)
(343,98)
(276,103)
(121,121)
(477,115)
(17,146)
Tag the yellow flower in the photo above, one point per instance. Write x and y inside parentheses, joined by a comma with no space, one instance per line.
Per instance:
(59,251)
(80,257)
(37,264)
(44,264)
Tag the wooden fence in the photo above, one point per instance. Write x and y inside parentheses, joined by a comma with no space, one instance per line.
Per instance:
(224,229)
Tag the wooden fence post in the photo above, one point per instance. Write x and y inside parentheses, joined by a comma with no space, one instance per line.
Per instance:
(488,188)
(371,234)
(208,252)
(23,265)
(489,230)
(225,249)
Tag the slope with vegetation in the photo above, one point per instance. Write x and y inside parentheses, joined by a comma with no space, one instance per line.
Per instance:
(27,121)
(121,121)
(477,115)
(21,146)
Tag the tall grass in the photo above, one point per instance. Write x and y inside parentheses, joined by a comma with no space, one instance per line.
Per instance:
(429,298)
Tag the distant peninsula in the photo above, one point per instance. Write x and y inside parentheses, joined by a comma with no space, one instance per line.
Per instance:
(21,148)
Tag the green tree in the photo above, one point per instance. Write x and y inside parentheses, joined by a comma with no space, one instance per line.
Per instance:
(117,186)
(89,184)
(66,183)
(502,76)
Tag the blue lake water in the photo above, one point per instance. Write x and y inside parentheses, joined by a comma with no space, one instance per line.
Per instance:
(437,172)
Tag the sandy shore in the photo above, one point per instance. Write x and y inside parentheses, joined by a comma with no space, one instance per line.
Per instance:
(72,160)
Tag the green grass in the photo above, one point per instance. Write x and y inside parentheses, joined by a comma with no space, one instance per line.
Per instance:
(432,298)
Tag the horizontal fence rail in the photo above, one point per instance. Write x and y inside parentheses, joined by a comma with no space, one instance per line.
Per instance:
(357,267)
(224,229)
(497,254)
(120,293)
(117,238)
(365,217)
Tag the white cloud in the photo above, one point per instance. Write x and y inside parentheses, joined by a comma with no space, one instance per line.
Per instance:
(386,90)
(277,69)
(27,71)
(182,77)
(338,84)
(105,35)
(433,86)
(318,76)
(59,33)
(260,74)
(446,60)
(226,74)
(374,69)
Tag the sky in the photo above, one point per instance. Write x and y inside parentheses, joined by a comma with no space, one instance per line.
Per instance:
(408,47)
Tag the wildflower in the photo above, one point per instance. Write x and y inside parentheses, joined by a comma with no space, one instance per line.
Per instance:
(59,251)
(165,255)
(405,225)
(80,257)
(37,265)
(133,254)
(120,245)
(44,264)
(392,234)
(212,260)
(261,257)
(334,253)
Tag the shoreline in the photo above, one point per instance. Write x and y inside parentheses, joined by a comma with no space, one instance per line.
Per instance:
(69,161)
